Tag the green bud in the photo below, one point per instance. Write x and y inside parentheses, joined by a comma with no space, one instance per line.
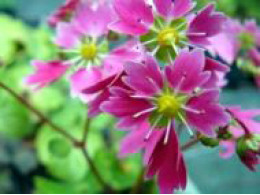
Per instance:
(209,142)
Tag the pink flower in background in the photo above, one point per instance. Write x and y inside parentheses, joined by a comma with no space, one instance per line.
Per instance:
(63,12)
(217,71)
(173,30)
(166,97)
(238,36)
(46,73)
(164,160)
(96,83)
(242,134)
(84,45)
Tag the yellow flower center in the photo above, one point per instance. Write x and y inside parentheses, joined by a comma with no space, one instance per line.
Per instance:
(169,104)
(88,51)
(168,36)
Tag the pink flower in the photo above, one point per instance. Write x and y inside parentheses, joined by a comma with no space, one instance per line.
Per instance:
(166,97)
(237,37)
(46,73)
(63,12)
(243,140)
(96,83)
(217,76)
(166,29)
(164,160)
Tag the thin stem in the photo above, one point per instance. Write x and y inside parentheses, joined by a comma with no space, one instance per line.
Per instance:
(244,127)
(89,161)
(42,118)
(78,144)
(86,130)
(190,143)
(95,171)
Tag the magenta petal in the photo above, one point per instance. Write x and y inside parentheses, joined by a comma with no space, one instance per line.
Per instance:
(209,109)
(93,22)
(167,161)
(217,73)
(66,9)
(83,79)
(133,142)
(163,6)
(246,118)
(46,73)
(134,11)
(121,26)
(187,71)
(67,36)
(122,107)
(142,79)
(227,149)
(207,22)
(95,105)
(181,8)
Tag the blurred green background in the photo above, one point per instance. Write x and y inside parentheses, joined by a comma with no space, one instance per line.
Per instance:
(34,159)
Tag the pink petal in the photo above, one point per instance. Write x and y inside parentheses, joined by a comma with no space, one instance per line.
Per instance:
(83,79)
(208,22)
(181,8)
(67,36)
(211,115)
(187,71)
(227,149)
(46,73)
(121,26)
(133,11)
(167,161)
(94,22)
(163,6)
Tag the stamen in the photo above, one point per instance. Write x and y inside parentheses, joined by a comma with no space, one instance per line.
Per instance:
(148,42)
(152,128)
(153,53)
(144,112)
(155,85)
(178,87)
(153,28)
(75,60)
(143,97)
(159,22)
(175,48)
(189,109)
(168,130)
(180,25)
(170,57)
(186,124)
(196,34)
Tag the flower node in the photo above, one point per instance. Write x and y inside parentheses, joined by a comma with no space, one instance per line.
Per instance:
(168,36)
(168,105)
(88,51)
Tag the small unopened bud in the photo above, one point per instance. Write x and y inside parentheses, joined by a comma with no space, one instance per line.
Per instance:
(209,142)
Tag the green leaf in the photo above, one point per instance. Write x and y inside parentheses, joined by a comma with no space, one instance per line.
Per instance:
(14,117)
(48,99)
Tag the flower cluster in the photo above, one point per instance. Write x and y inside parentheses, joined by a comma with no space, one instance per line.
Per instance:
(243,46)
(161,79)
